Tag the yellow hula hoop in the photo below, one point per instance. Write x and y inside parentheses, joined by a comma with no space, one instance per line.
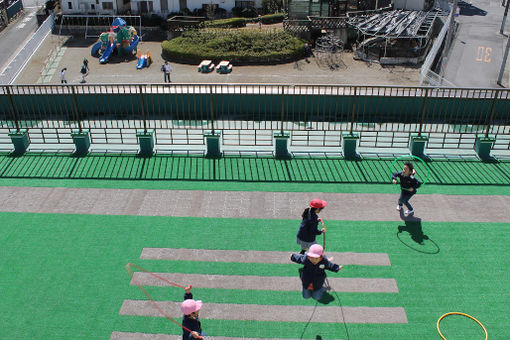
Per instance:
(463,314)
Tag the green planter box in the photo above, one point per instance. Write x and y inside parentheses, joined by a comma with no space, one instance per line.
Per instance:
(281,150)
(146,142)
(20,141)
(212,142)
(350,145)
(483,147)
(417,145)
(81,141)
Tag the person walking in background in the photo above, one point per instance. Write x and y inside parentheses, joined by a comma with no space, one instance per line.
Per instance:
(167,70)
(63,76)
(308,52)
(313,274)
(259,21)
(84,72)
(408,186)
(190,308)
(308,229)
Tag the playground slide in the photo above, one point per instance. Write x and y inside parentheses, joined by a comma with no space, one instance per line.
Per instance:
(141,62)
(133,44)
(95,48)
(106,54)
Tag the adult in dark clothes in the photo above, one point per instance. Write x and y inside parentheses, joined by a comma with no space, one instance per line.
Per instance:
(314,271)
(190,308)
(408,186)
(308,231)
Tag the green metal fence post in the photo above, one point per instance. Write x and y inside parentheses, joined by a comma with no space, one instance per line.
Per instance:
(281,138)
(145,137)
(19,137)
(484,143)
(350,139)
(212,137)
(81,137)
(418,141)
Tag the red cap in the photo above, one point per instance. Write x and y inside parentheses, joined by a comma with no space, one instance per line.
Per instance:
(317,203)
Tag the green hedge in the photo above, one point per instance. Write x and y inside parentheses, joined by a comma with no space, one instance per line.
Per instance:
(225,23)
(241,47)
(273,18)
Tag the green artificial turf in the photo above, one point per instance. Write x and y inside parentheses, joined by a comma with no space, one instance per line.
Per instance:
(454,176)
(63,276)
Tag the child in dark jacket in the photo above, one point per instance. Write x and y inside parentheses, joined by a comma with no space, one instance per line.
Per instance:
(190,308)
(408,186)
(308,229)
(313,275)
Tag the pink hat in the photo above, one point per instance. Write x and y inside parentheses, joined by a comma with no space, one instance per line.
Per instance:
(189,306)
(315,250)
(317,203)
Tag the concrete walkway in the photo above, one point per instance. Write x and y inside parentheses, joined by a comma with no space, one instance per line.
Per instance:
(252,204)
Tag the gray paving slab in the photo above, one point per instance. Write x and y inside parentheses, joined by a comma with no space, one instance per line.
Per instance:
(237,204)
(272,283)
(146,336)
(253,256)
(275,313)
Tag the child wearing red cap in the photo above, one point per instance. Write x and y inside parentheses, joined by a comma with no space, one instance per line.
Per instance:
(190,308)
(308,229)
(313,275)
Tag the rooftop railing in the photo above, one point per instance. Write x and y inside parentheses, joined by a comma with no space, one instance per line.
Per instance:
(248,114)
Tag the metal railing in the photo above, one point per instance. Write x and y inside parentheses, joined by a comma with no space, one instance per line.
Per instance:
(248,114)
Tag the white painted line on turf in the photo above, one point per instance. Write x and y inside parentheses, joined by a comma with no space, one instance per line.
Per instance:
(274,313)
(147,336)
(255,256)
(274,283)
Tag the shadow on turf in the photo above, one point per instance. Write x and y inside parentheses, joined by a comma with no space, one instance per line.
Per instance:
(415,230)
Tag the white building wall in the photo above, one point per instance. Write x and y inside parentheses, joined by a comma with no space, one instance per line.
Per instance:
(85,7)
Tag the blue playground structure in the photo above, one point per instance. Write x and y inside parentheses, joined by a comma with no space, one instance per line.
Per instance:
(121,38)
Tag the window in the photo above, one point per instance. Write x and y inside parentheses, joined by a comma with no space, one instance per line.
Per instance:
(70,5)
(164,5)
(245,4)
(92,6)
(107,5)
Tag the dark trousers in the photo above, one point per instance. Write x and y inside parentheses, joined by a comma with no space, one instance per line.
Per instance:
(404,198)
(167,76)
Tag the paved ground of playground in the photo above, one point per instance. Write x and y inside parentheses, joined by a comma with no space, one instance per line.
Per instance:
(71,225)
(59,52)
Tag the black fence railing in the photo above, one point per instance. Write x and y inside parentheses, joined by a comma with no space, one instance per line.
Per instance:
(247,115)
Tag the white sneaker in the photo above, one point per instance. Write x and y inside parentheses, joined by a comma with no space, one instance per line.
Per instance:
(399,207)
(409,212)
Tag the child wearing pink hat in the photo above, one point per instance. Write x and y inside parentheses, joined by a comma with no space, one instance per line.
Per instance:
(314,271)
(190,308)
(308,229)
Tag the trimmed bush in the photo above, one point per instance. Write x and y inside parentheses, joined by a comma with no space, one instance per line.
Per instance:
(273,18)
(241,47)
(225,23)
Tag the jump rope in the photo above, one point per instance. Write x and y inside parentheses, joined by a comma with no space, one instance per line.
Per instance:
(131,273)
